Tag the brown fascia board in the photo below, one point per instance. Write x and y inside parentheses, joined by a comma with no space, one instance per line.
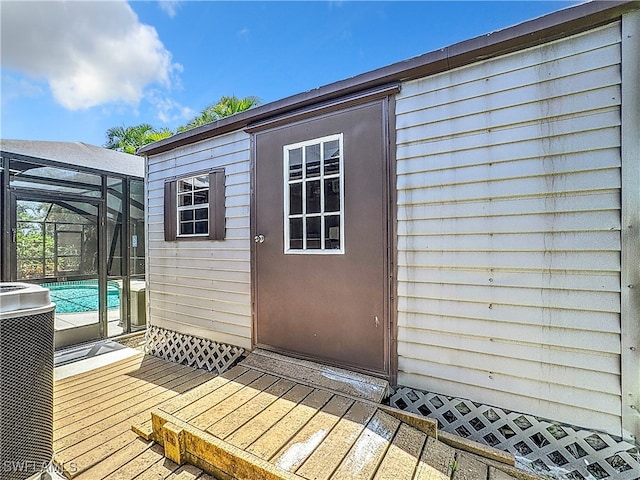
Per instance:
(569,21)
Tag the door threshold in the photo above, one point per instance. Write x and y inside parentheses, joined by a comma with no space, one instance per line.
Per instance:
(335,379)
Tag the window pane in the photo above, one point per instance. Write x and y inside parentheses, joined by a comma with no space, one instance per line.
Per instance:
(185,185)
(200,197)
(332,232)
(332,195)
(295,164)
(313,233)
(186,228)
(202,227)
(186,215)
(201,182)
(295,233)
(313,196)
(184,199)
(202,214)
(331,157)
(295,199)
(313,160)
(136,228)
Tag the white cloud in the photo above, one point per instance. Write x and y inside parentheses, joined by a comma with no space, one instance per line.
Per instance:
(170,7)
(168,110)
(90,53)
(15,87)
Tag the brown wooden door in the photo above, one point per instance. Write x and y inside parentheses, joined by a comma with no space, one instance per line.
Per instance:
(325,297)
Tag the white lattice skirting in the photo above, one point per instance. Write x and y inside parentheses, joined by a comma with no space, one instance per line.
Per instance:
(188,350)
(549,449)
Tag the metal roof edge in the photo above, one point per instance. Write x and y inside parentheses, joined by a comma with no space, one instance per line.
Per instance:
(555,25)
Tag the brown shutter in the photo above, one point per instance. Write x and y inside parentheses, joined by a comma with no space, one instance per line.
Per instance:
(170,211)
(216,205)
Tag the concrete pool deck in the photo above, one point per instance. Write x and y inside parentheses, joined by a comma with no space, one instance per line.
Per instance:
(65,321)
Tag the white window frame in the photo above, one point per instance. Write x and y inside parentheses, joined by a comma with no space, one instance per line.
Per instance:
(303,180)
(193,207)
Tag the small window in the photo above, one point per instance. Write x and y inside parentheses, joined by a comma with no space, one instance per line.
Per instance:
(314,196)
(194,207)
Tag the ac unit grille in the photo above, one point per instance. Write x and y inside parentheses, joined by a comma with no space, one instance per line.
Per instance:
(26,394)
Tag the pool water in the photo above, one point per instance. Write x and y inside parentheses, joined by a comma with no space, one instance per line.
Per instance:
(81,297)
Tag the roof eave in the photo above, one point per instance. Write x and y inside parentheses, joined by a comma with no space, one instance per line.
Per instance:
(569,21)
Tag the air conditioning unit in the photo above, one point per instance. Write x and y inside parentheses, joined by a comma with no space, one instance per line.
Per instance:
(26,380)
(138,303)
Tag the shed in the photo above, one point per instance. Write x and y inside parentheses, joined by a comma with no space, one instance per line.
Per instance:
(73,221)
(464,222)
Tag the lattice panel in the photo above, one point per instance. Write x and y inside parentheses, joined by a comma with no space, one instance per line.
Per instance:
(189,350)
(549,449)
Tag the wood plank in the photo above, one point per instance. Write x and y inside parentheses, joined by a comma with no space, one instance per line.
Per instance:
(79,461)
(326,458)
(108,415)
(206,402)
(207,418)
(108,380)
(118,365)
(280,433)
(264,420)
(476,448)
(246,412)
(206,451)
(495,474)
(93,379)
(298,449)
(114,461)
(117,398)
(468,468)
(185,399)
(365,455)
(138,464)
(186,472)
(101,372)
(88,438)
(96,395)
(163,469)
(402,457)
(144,427)
(435,462)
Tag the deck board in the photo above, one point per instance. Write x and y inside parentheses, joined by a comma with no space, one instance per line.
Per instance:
(232,403)
(258,422)
(170,386)
(210,400)
(115,399)
(402,457)
(436,461)
(365,455)
(71,405)
(280,433)
(236,419)
(326,458)
(263,421)
(92,433)
(115,461)
(309,437)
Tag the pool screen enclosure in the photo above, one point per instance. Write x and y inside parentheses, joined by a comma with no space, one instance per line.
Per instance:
(73,220)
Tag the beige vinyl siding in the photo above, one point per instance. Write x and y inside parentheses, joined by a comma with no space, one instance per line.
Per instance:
(508,178)
(203,287)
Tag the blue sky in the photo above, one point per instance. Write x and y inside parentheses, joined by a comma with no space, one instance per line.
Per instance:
(71,70)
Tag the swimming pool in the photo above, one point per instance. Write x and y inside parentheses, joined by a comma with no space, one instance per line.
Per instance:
(75,297)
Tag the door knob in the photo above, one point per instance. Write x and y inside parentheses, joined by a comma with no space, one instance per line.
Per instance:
(258,238)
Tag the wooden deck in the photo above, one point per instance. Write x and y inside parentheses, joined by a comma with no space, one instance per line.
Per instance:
(246,423)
